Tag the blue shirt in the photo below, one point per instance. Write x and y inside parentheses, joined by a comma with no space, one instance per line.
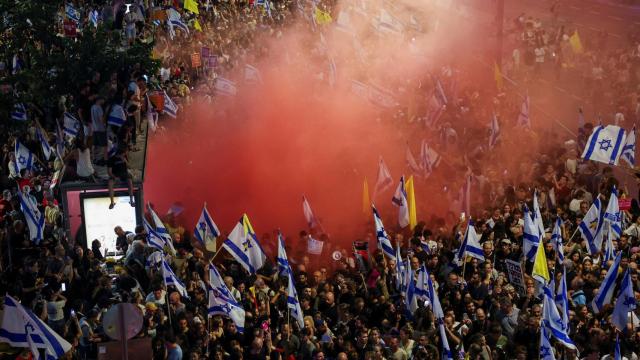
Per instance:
(175,353)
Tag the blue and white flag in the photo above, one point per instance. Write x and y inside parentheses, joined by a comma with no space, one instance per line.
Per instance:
(605,144)
(470,245)
(591,227)
(625,304)
(24,157)
(282,259)
(170,108)
(47,150)
(35,219)
(71,125)
(384,179)
(267,7)
(222,302)
(117,116)
(552,321)
(71,12)
(608,251)
(161,230)
(410,299)
(252,75)
(531,236)
(412,163)
(613,216)
(561,299)
(384,243)
(170,278)
(206,231)
(400,269)
(243,245)
(21,328)
(312,220)
(94,18)
(154,239)
(429,159)
(605,292)
(19,112)
(179,24)
(439,315)
(494,131)
(422,284)
(400,200)
(154,260)
(629,148)
(556,240)
(617,353)
(546,350)
(292,301)
(523,116)
(225,87)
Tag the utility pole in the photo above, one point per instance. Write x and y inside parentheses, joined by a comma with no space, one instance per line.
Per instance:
(499,31)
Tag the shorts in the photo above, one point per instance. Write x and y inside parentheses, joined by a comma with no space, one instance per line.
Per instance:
(131,32)
(99,138)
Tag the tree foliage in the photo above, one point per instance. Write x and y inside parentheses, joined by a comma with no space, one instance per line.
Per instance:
(56,65)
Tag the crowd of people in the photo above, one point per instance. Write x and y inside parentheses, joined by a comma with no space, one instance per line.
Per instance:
(351,310)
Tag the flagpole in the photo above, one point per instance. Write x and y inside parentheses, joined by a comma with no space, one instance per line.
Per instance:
(166,298)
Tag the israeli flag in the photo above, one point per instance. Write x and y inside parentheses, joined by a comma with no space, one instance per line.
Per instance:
(154,239)
(625,303)
(283,261)
(154,260)
(21,328)
(400,269)
(410,298)
(613,216)
(400,200)
(35,219)
(170,107)
(556,240)
(312,221)
(206,231)
(439,315)
(19,112)
(71,125)
(561,299)
(412,163)
(605,292)
(179,24)
(292,301)
(470,246)
(591,227)
(605,144)
(552,321)
(93,18)
(252,75)
(117,116)
(523,116)
(384,179)
(617,354)
(609,253)
(629,148)
(221,302)
(170,278)
(24,157)
(494,132)
(422,284)
(47,150)
(546,350)
(531,238)
(72,13)
(383,239)
(161,230)
(429,159)
(225,87)
(243,245)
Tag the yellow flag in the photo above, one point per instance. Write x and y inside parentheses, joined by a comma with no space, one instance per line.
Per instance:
(576,44)
(540,269)
(411,199)
(192,5)
(322,17)
(497,75)
(196,25)
(366,201)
